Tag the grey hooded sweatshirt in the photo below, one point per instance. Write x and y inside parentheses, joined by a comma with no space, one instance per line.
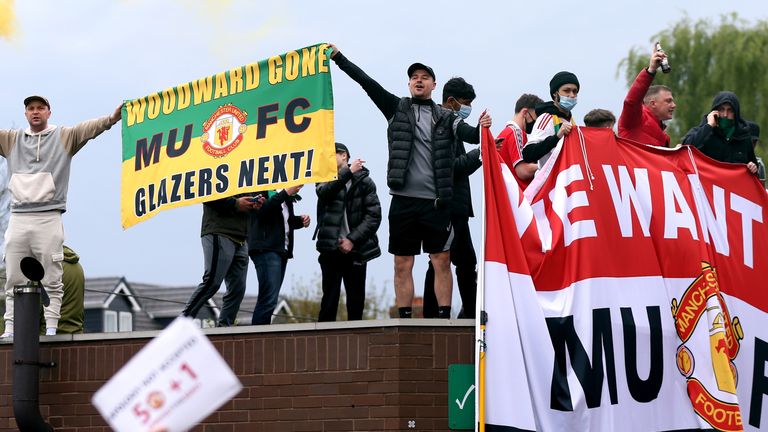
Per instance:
(39,163)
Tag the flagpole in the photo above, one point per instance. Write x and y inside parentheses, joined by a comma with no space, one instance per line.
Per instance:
(480,306)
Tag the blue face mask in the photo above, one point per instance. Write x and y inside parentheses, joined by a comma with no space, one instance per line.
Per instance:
(464,111)
(567,103)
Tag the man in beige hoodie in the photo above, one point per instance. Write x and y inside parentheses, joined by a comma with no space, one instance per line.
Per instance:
(39,160)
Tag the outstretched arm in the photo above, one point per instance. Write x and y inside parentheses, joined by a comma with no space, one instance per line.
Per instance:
(74,138)
(7,139)
(384,100)
(632,114)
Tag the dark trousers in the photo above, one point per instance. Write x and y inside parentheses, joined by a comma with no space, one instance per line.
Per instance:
(464,258)
(270,270)
(225,261)
(336,267)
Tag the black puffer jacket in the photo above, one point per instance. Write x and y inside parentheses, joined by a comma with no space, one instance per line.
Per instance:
(713,141)
(401,133)
(266,230)
(363,213)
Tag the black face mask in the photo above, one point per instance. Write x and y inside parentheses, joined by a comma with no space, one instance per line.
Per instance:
(529,126)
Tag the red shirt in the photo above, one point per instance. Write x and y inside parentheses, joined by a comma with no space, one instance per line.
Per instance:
(512,140)
(637,122)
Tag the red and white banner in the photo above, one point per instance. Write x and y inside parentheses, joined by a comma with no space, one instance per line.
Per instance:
(626,289)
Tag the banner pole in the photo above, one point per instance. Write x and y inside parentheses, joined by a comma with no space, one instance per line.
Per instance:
(480,306)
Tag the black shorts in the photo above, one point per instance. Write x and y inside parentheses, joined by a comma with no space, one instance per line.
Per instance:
(414,222)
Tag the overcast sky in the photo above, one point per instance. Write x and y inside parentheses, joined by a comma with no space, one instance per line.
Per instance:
(89,56)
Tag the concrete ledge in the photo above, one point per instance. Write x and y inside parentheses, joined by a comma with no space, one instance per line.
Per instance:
(272,328)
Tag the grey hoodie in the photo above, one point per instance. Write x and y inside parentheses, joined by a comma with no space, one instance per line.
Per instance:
(39,163)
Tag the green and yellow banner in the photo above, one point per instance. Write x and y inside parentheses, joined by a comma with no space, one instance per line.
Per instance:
(264,125)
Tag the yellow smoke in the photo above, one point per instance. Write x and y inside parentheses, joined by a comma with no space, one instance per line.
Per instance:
(229,40)
(7,19)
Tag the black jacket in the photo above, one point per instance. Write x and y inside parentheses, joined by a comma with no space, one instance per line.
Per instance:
(713,141)
(221,217)
(464,165)
(363,210)
(401,135)
(266,230)
(532,152)
(401,132)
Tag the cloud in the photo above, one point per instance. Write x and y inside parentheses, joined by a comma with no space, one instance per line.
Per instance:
(7,19)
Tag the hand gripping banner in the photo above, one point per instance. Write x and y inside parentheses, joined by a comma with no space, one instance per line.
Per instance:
(261,126)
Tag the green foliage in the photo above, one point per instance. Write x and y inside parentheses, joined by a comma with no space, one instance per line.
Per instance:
(707,58)
(305,301)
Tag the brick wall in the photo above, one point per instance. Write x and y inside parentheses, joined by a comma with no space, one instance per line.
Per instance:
(364,376)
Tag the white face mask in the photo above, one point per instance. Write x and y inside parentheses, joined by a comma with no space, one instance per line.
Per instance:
(464,111)
(567,103)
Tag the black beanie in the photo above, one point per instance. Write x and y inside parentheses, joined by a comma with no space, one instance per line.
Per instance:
(560,79)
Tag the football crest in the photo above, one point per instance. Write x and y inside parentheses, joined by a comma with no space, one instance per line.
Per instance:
(223,131)
(712,390)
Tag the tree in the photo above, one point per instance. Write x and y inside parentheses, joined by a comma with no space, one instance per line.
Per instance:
(707,58)
(305,301)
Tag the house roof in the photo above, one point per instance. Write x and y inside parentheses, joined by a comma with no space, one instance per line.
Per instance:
(166,302)
(97,290)
(159,301)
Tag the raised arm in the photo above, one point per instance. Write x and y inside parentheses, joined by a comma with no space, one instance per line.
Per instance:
(74,138)
(385,101)
(471,134)
(632,114)
(7,139)
(327,192)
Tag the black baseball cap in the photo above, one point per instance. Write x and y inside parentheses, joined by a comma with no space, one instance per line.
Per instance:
(416,66)
(36,98)
(341,148)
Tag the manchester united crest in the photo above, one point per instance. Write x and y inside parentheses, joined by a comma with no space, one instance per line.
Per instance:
(223,131)
(703,306)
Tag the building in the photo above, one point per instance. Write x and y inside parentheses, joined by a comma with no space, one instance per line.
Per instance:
(113,304)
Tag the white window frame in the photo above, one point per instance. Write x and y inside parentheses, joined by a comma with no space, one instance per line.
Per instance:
(125,321)
(110,321)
